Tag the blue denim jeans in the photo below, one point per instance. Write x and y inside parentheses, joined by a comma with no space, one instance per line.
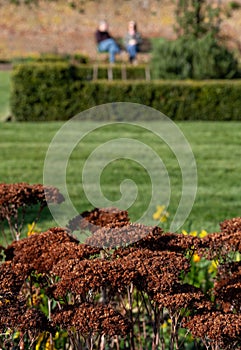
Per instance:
(109,45)
(132,51)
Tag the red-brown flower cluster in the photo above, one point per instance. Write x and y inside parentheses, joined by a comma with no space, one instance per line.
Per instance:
(231,225)
(219,244)
(34,321)
(227,288)
(113,236)
(12,302)
(215,328)
(16,198)
(88,318)
(96,218)
(42,251)
(94,284)
(180,296)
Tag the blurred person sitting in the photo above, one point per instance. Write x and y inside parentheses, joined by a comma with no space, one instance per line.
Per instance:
(105,42)
(132,41)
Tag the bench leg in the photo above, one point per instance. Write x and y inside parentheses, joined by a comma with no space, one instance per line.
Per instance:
(147,73)
(110,72)
(95,72)
(123,72)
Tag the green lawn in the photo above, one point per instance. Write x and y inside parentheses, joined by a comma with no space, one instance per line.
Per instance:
(4,93)
(216,146)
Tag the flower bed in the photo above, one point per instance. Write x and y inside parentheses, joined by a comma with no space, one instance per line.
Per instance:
(58,293)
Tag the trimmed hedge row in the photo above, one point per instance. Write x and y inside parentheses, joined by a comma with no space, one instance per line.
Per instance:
(60,91)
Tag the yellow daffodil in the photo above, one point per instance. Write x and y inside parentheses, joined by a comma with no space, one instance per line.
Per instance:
(156,216)
(49,346)
(237,256)
(161,214)
(160,208)
(193,233)
(213,266)
(196,258)
(32,229)
(164,217)
(164,325)
(203,234)
(16,335)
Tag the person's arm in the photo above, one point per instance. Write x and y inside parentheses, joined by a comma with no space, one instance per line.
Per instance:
(138,38)
(126,39)
(98,36)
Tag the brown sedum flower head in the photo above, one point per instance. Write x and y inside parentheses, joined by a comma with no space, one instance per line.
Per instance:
(12,303)
(14,196)
(12,276)
(113,237)
(219,244)
(97,218)
(181,296)
(158,240)
(33,321)
(227,288)
(215,327)
(83,277)
(90,318)
(231,225)
(41,251)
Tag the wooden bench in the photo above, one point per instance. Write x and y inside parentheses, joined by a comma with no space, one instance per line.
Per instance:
(144,52)
(144,47)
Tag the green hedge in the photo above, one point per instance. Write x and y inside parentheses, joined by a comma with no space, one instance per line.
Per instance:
(52,57)
(60,91)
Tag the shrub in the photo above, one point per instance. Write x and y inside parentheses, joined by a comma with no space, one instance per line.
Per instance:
(189,57)
(56,91)
(52,57)
(59,91)
(15,199)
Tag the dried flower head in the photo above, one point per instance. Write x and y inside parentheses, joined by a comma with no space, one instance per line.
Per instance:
(41,251)
(227,287)
(83,277)
(12,277)
(16,198)
(220,244)
(97,218)
(113,237)
(182,296)
(33,322)
(88,318)
(214,327)
(231,225)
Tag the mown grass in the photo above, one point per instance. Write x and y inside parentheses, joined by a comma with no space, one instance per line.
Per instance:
(216,147)
(4,93)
